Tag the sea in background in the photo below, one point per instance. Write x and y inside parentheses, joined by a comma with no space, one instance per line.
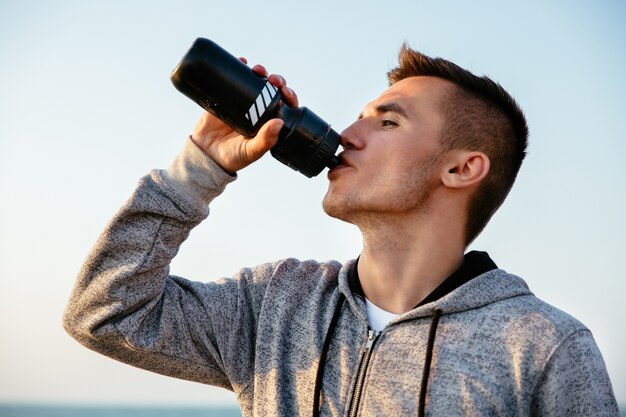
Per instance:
(26,410)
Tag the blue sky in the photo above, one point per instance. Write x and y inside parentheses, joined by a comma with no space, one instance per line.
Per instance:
(87,108)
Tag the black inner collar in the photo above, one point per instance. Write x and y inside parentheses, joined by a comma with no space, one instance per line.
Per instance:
(474,264)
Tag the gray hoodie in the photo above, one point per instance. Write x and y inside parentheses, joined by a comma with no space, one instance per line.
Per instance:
(290,338)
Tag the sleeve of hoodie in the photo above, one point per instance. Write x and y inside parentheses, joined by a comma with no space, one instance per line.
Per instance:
(575,382)
(126,305)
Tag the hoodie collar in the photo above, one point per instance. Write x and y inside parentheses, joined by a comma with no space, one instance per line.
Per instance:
(481,281)
(474,263)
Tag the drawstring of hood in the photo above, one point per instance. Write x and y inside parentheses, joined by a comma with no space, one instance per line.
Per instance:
(427,361)
(474,264)
(328,338)
(322,362)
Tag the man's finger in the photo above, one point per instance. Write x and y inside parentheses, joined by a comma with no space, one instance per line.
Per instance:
(277,80)
(260,69)
(290,96)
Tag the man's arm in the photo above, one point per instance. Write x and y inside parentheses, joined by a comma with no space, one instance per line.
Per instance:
(575,382)
(127,306)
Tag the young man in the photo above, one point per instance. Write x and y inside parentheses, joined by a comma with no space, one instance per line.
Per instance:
(413,327)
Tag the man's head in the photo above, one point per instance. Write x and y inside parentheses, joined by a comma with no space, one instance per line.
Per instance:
(479,115)
(434,118)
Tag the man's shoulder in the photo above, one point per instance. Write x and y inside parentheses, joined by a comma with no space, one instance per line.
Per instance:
(529,314)
(506,301)
(299,291)
(294,266)
(303,275)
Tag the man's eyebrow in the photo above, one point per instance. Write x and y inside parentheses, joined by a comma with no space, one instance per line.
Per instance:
(389,107)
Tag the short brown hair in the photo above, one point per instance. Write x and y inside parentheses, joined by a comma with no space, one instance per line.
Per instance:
(480,115)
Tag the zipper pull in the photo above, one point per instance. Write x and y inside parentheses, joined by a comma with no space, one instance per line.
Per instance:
(371,335)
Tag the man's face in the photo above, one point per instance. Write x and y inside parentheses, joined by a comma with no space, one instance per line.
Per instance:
(391,153)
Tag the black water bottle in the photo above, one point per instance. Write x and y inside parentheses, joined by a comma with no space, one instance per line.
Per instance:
(230,90)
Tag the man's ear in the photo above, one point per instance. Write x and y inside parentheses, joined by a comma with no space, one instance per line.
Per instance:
(465,168)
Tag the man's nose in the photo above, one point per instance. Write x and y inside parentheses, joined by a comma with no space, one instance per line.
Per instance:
(351,137)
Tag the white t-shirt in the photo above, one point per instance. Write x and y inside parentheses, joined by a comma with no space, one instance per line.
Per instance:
(377,317)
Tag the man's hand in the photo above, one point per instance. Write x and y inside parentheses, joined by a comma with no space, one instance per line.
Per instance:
(229,149)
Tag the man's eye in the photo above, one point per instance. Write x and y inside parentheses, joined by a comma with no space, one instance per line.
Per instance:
(388,123)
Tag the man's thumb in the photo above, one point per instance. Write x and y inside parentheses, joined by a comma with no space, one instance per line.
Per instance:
(267,137)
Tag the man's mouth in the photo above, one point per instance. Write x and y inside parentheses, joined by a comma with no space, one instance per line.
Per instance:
(342,160)
(343,163)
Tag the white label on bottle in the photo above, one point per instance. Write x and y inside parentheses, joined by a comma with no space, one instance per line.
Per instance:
(260,104)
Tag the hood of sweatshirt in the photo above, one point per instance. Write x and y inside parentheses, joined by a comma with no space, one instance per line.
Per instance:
(476,289)
(474,285)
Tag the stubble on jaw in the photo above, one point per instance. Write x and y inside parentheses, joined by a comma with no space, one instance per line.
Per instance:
(353,206)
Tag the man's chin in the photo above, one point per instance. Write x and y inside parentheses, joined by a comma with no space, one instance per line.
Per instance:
(336,209)
(329,207)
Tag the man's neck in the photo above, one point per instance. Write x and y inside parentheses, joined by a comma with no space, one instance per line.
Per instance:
(402,262)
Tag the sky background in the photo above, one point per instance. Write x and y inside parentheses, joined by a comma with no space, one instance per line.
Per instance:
(87,108)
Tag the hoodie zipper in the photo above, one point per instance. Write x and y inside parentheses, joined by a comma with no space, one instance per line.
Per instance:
(372,336)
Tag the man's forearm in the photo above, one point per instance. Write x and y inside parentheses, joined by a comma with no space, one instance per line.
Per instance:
(124,300)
